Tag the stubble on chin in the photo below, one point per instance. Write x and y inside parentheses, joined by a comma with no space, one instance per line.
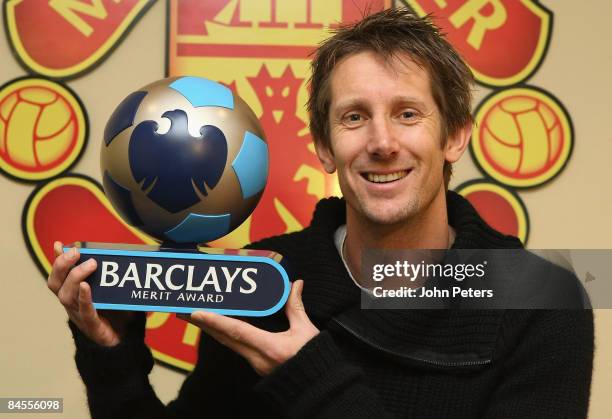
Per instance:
(387,214)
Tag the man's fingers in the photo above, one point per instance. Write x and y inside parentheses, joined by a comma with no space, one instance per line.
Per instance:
(233,329)
(69,290)
(57,248)
(225,339)
(295,307)
(96,328)
(86,308)
(237,346)
(61,267)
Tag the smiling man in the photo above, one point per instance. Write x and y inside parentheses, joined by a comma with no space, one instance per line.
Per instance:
(390,112)
(386,141)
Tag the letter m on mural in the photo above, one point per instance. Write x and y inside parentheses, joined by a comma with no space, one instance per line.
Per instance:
(503,41)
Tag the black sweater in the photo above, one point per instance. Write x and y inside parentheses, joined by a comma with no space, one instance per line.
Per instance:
(367,363)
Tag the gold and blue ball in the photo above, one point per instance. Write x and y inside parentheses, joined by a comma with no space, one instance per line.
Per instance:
(184,160)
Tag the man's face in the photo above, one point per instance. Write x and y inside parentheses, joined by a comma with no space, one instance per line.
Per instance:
(385,138)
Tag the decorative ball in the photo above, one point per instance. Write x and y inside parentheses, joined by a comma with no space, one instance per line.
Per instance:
(499,206)
(42,128)
(523,137)
(184,159)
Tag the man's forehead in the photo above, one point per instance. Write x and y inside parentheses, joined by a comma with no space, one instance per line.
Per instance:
(347,82)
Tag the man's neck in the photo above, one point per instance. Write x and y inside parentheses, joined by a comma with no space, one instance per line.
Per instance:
(428,230)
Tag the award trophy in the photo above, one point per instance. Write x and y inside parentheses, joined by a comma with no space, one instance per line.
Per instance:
(186,161)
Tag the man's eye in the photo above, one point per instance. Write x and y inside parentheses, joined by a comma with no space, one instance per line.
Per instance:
(353,119)
(408,114)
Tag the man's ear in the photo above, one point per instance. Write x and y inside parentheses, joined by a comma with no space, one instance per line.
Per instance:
(325,156)
(457,143)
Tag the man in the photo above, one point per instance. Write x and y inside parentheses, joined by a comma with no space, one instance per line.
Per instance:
(390,112)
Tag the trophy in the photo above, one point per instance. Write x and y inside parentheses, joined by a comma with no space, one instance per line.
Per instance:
(186,161)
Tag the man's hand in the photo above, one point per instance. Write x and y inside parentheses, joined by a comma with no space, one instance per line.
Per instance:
(263,350)
(69,285)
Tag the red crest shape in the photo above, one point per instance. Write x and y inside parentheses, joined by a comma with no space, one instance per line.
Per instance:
(63,38)
(503,41)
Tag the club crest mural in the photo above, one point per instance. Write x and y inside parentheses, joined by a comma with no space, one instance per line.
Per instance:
(258,49)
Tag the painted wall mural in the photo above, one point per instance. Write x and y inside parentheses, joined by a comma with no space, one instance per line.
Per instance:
(260,49)
(523,135)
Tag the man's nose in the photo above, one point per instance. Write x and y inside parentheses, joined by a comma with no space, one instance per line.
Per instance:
(383,141)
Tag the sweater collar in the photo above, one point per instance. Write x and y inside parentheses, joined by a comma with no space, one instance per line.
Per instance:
(327,276)
(472,231)
(333,300)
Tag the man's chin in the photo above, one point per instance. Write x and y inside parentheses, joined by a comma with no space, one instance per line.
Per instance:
(386,216)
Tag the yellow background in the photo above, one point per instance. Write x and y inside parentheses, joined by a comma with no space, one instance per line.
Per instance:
(573,211)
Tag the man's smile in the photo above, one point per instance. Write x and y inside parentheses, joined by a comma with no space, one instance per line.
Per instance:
(385,177)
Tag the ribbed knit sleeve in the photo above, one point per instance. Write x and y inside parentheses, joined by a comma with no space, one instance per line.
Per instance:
(548,367)
(116,377)
(99,365)
(319,383)
(118,387)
